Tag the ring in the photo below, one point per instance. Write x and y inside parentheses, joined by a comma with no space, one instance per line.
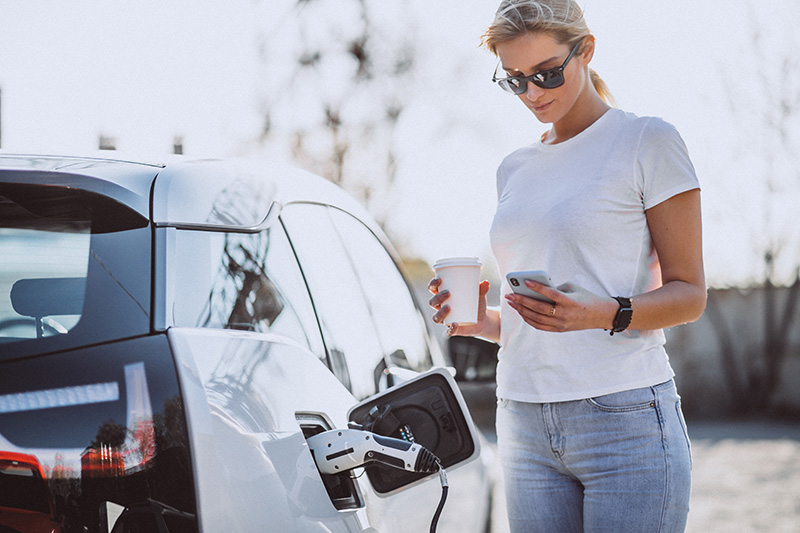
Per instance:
(553,310)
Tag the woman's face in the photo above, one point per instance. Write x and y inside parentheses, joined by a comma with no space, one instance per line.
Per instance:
(535,52)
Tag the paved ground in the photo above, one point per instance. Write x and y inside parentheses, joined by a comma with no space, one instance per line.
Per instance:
(746,475)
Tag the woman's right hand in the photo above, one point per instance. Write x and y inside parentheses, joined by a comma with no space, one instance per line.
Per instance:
(439,303)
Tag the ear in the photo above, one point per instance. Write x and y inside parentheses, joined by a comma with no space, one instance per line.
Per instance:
(588,49)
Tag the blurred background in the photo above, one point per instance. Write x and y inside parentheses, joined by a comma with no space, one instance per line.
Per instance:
(394,102)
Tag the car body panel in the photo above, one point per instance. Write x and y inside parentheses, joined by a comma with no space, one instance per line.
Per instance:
(126,182)
(242,392)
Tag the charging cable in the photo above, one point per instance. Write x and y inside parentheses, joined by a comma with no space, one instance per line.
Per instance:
(445,488)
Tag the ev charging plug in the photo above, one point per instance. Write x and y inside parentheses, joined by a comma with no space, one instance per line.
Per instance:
(339,450)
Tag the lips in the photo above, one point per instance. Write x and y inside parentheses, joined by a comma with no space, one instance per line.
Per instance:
(541,108)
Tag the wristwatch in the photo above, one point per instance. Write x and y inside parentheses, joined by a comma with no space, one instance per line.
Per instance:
(624,315)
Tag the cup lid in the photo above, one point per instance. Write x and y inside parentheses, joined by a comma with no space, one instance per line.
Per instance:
(457,261)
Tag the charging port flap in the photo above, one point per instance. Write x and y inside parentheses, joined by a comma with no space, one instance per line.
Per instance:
(428,410)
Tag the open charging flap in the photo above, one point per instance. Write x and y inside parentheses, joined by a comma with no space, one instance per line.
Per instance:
(429,410)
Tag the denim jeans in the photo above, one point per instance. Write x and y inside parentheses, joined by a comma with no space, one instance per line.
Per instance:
(619,462)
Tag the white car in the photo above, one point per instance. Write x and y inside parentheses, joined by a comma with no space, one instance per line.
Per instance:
(172,335)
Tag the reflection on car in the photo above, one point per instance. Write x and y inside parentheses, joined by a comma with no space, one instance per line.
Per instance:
(26,503)
(171,335)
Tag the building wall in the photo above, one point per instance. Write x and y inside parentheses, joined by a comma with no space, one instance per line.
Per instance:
(696,351)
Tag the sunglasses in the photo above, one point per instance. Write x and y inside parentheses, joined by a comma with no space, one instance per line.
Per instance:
(546,79)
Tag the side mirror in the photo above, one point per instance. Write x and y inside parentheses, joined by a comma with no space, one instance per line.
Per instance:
(428,410)
(475,360)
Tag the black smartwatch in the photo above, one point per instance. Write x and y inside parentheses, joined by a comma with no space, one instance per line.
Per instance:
(624,315)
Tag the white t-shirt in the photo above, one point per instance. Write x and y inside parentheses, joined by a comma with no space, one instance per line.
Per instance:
(577,210)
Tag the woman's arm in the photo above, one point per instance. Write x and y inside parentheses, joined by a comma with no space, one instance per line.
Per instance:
(676,230)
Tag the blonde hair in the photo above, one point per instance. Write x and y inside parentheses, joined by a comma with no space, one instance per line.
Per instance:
(561,19)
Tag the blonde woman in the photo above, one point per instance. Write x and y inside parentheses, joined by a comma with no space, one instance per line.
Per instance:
(590,431)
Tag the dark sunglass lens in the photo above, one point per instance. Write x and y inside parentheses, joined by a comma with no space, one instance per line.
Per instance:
(552,79)
(513,85)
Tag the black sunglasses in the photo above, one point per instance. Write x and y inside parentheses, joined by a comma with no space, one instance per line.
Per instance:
(546,79)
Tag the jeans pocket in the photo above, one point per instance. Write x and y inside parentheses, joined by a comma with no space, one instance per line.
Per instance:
(625,401)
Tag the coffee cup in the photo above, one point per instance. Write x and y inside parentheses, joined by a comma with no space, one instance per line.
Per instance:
(461,276)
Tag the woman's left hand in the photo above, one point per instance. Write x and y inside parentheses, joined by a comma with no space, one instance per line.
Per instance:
(575,308)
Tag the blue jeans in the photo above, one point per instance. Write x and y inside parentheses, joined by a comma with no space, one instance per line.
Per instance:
(616,463)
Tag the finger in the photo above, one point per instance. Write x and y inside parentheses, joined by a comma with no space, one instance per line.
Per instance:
(531,304)
(543,289)
(441,315)
(483,288)
(536,319)
(434,284)
(438,299)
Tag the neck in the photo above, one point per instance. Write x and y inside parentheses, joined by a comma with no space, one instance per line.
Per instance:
(587,109)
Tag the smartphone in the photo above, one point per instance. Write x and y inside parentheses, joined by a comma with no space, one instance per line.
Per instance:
(517,282)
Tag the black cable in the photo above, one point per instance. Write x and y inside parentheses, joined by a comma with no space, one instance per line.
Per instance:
(445,488)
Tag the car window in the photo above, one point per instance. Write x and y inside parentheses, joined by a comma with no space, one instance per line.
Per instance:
(85,429)
(37,264)
(75,269)
(345,316)
(242,281)
(400,325)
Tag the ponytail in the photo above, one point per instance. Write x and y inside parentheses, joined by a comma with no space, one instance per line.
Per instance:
(602,89)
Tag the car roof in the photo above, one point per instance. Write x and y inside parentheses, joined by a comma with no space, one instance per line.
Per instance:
(223,194)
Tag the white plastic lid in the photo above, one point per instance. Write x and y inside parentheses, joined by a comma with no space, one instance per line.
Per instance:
(457,261)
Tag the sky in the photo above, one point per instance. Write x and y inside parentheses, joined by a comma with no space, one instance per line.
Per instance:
(146,72)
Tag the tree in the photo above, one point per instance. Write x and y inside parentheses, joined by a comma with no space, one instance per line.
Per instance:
(337,76)
(769,105)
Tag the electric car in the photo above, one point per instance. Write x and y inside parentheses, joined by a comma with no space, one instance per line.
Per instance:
(173,335)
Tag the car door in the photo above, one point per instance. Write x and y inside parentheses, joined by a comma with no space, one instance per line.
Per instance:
(256,382)
(370,323)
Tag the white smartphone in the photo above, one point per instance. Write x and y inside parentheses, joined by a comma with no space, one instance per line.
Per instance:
(516,281)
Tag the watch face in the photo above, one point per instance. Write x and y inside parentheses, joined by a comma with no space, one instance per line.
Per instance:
(624,318)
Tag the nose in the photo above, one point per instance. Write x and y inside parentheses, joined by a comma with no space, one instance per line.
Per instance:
(533,92)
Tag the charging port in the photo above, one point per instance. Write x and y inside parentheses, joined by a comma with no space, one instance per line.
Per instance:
(342,487)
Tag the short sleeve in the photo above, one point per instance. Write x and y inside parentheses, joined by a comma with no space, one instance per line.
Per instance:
(500,181)
(664,166)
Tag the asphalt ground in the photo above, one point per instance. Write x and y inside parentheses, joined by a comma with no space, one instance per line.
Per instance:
(745,475)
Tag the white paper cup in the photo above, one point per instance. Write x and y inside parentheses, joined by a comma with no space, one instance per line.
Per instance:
(461,276)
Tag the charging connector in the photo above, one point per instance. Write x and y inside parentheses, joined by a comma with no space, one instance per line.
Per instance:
(339,450)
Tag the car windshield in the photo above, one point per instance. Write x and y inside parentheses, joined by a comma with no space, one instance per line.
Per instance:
(75,269)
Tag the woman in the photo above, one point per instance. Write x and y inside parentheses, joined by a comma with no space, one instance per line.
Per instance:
(590,432)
